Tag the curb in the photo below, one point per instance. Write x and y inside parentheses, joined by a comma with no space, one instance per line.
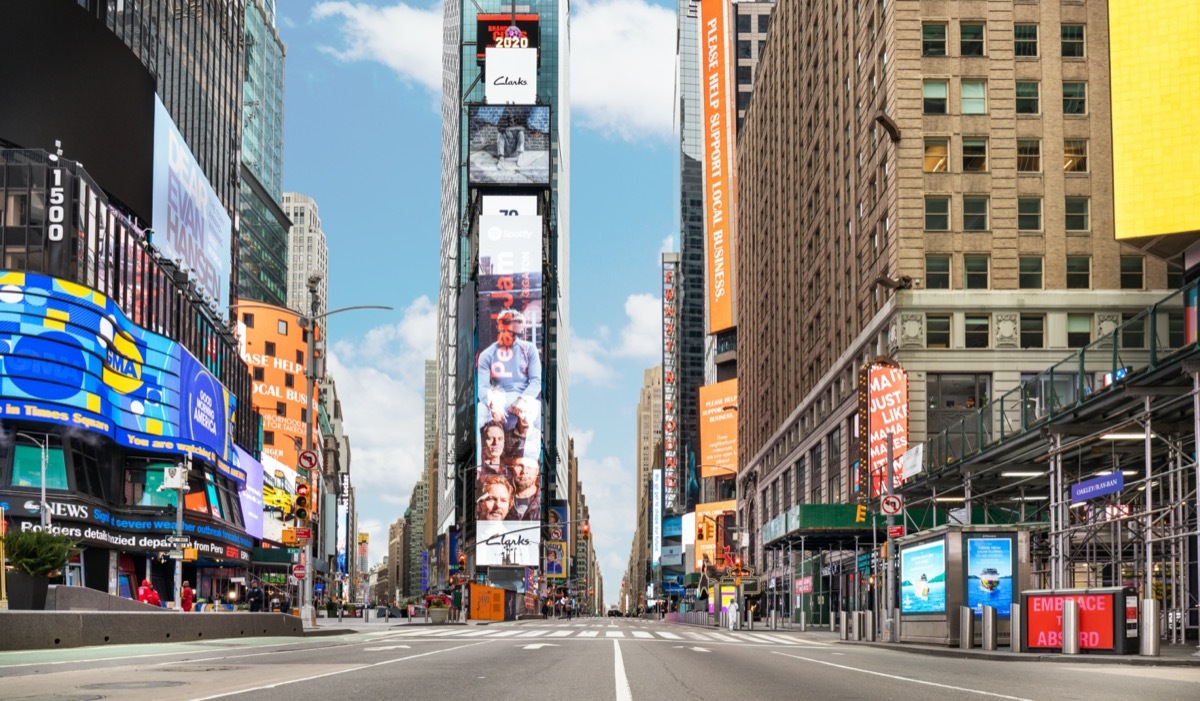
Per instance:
(1134,660)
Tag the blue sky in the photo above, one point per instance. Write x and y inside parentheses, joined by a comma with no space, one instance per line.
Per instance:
(363,135)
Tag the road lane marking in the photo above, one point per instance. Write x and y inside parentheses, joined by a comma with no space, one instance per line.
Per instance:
(614,634)
(387,647)
(668,636)
(533,634)
(588,633)
(622,682)
(903,679)
(298,680)
(722,638)
(695,636)
(477,633)
(538,646)
(560,633)
(642,634)
(505,633)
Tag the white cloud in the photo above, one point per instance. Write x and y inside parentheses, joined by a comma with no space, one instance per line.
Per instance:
(612,504)
(586,361)
(642,336)
(668,245)
(622,57)
(623,67)
(406,39)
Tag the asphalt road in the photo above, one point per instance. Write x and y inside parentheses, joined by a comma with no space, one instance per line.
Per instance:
(601,659)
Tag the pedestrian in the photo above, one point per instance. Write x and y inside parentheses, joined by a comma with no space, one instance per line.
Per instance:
(186,596)
(731,614)
(255,597)
(147,594)
(456,605)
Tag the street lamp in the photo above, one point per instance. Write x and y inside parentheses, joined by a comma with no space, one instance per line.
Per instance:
(44,508)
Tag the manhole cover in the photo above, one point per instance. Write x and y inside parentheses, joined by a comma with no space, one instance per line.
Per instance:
(132,685)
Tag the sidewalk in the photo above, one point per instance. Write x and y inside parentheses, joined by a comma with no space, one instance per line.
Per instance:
(1169,655)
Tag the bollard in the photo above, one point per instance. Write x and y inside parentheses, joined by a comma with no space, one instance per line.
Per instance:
(988,628)
(1150,628)
(1015,641)
(803,621)
(842,632)
(966,627)
(870,625)
(860,620)
(1070,627)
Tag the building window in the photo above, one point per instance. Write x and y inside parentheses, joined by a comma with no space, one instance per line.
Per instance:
(764,23)
(937,213)
(1132,275)
(935,97)
(744,23)
(933,40)
(1074,98)
(743,49)
(1029,156)
(959,392)
(937,331)
(289,380)
(971,39)
(745,75)
(1029,273)
(1174,276)
(974,97)
(1079,273)
(1025,40)
(977,330)
(975,272)
(1077,214)
(258,374)
(975,155)
(268,438)
(1028,98)
(283,327)
(269,348)
(248,320)
(937,272)
(1029,214)
(937,152)
(1033,331)
(1079,330)
(1133,331)
(281,409)
(300,356)
(1072,41)
(975,213)
(1075,156)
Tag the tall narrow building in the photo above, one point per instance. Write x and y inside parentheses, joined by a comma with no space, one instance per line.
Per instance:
(307,251)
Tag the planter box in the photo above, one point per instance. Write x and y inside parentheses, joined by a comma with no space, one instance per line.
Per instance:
(439,615)
(27,593)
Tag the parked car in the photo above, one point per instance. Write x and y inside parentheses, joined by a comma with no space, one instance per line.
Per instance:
(615,613)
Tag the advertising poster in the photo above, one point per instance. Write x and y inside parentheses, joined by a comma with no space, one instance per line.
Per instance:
(556,519)
(989,564)
(508,145)
(190,223)
(278,492)
(656,515)
(69,355)
(923,578)
(509,205)
(720,185)
(250,496)
(709,517)
(1043,627)
(510,76)
(888,414)
(556,558)
(508,370)
(718,429)
(506,31)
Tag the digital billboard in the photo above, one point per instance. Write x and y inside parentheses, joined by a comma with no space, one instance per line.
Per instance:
(923,577)
(720,186)
(709,521)
(508,491)
(718,429)
(887,397)
(509,205)
(190,223)
(508,145)
(511,77)
(278,493)
(275,349)
(556,558)
(69,355)
(990,562)
(250,495)
(505,31)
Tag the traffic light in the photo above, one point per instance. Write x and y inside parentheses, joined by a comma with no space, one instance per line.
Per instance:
(700,531)
(587,529)
(737,562)
(302,506)
(709,531)
(462,560)
(860,515)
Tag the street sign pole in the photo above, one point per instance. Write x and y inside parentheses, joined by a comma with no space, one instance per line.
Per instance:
(187,466)
(893,625)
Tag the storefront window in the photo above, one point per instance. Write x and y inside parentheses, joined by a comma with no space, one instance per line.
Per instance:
(143,484)
(27,465)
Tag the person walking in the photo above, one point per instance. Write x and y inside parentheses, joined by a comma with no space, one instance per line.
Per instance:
(255,597)
(186,596)
(731,614)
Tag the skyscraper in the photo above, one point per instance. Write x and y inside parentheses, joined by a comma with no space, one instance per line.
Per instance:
(308,253)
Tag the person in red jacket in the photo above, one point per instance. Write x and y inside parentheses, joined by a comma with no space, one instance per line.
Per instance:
(187,596)
(147,595)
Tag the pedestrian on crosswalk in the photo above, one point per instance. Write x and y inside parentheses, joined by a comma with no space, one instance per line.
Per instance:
(732,613)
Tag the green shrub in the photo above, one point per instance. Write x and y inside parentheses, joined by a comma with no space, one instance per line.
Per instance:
(37,553)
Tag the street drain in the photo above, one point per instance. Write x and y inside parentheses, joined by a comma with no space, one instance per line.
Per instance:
(132,685)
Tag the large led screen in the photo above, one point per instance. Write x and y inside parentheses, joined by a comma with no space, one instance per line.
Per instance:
(190,223)
(250,495)
(887,399)
(505,31)
(923,577)
(508,145)
(989,580)
(508,488)
(69,355)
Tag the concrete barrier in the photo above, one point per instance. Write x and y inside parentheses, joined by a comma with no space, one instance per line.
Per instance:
(41,630)
(63,598)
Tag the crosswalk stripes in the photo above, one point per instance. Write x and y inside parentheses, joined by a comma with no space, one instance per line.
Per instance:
(588,633)
(533,634)
(614,634)
(527,632)
(560,633)
(642,634)
(668,636)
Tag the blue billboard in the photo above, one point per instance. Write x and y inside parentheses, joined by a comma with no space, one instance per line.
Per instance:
(923,577)
(989,564)
(69,355)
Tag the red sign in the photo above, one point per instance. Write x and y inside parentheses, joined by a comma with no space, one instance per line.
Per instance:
(895,531)
(303,533)
(887,398)
(298,571)
(804,585)
(1044,621)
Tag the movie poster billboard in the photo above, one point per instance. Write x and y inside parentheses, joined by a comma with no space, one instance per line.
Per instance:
(69,355)
(923,577)
(508,145)
(556,559)
(989,564)
(887,397)
(720,185)
(718,429)
(190,223)
(508,488)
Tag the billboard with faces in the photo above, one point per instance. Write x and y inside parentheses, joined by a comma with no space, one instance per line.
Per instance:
(508,488)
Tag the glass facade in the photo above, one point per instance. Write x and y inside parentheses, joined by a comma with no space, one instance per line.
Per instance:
(262,247)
